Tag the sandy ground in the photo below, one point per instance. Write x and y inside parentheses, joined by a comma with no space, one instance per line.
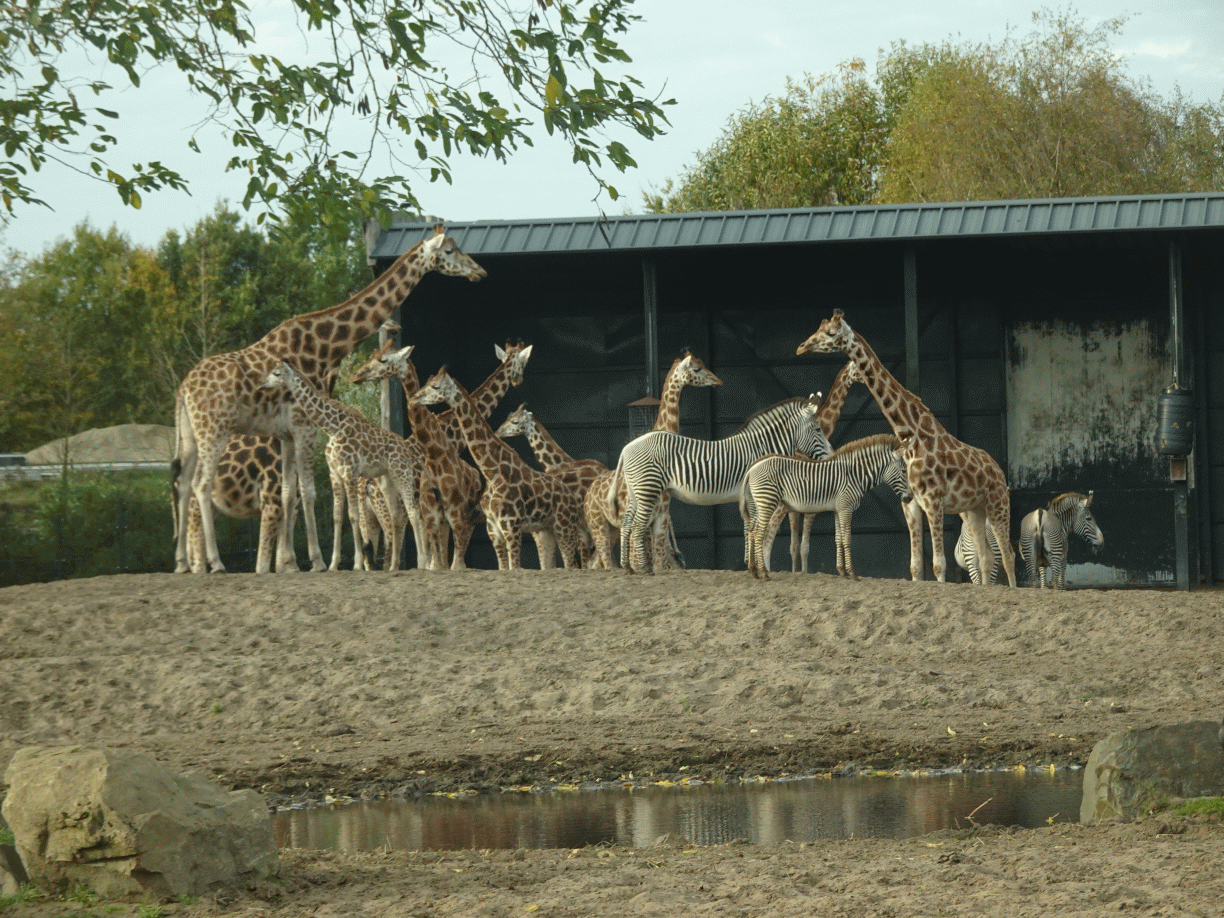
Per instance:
(411,682)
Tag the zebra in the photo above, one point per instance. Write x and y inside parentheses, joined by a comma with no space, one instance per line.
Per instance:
(1043,536)
(1066,513)
(777,484)
(705,472)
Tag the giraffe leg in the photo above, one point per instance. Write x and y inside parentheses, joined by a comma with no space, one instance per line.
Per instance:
(304,455)
(597,523)
(201,488)
(341,494)
(352,490)
(195,540)
(546,548)
(462,528)
(568,529)
(270,520)
(805,547)
(913,522)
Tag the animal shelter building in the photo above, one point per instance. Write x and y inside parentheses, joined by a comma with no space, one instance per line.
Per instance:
(1078,341)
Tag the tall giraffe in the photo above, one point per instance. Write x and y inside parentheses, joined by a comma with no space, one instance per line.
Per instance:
(223,396)
(359,449)
(517,498)
(248,484)
(457,483)
(827,417)
(945,474)
(686,370)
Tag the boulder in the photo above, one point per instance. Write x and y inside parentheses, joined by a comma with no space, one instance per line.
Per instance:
(122,825)
(1130,771)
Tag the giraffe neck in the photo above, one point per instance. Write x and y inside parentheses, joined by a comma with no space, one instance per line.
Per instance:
(489,450)
(547,450)
(668,417)
(323,412)
(831,410)
(424,422)
(319,340)
(904,411)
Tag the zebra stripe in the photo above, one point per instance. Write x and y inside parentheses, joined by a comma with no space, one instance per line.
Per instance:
(705,472)
(777,484)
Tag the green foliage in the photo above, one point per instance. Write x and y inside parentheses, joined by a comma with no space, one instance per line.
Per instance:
(1048,114)
(1211,806)
(377,65)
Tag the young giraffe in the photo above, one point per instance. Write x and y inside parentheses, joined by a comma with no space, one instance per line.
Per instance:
(577,474)
(686,370)
(945,474)
(516,498)
(360,449)
(827,418)
(223,395)
(457,483)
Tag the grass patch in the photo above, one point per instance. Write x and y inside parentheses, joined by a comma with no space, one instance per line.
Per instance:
(1213,806)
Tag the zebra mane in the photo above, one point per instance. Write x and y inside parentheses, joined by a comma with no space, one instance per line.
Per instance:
(857,446)
(776,408)
(1062,500)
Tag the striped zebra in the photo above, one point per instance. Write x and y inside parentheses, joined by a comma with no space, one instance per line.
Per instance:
(1043,536)
(704,472)
(1067,513)
(966,557)
(775,485)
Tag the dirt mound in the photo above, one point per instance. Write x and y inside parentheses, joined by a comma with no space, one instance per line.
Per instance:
(104,445)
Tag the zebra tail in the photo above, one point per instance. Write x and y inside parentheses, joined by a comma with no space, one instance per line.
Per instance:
(611,499)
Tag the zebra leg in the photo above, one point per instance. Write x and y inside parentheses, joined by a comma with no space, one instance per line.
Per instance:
(796,542)
(844,567)
(983,554)
(770,521)
(806,545)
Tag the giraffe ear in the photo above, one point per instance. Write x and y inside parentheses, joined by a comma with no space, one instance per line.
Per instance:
(405,352)
(500,352)
(526,353)
(439,229)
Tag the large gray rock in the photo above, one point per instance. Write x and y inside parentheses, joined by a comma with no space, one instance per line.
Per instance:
(1129,771)
(123,825)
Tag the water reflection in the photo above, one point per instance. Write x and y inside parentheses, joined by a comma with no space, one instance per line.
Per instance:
(769,813)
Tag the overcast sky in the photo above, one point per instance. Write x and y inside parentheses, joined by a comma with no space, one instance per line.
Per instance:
(712,57)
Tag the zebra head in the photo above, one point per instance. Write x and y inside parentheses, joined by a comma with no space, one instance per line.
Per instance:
(834,336)
(810,437)
(1084,523)
(896,477)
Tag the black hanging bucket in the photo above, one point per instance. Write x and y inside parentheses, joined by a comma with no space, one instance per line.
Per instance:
(1175,422)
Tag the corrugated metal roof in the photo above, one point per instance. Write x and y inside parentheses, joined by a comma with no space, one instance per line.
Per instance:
(646,232)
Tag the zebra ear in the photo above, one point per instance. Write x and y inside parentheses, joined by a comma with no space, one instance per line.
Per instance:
(1088,502)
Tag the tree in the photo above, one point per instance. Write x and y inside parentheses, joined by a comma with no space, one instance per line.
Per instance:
(1049,114)
(818,144)
(434,77)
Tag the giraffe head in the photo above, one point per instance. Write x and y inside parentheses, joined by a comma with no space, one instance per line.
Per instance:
(690,371)
(384,363)
(834,336)
(440,253)
(519,423)
(438,388)
(514,357)
(282,377)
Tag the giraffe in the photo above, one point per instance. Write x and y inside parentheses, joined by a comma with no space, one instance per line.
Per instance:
(458,484)
(223,395)
(248,483)
(577,474)
(359,449)
(517,498)
(686,370)
(826,417)
(945,474)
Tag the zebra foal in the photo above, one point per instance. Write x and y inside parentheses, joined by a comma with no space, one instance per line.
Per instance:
(704,472)
(1044,532)
(775,485)
(1043,540)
